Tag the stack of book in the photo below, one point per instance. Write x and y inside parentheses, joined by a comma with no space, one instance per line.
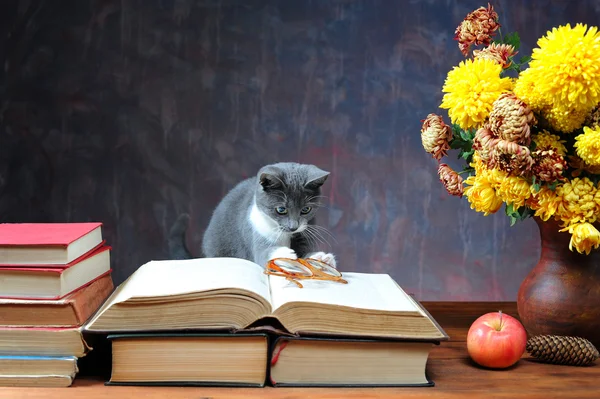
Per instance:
(224,322)
(53,277)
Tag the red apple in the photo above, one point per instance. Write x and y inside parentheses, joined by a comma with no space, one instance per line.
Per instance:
(496,340)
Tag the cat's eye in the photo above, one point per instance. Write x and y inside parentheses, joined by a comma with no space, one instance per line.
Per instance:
(305,210)
(281,210)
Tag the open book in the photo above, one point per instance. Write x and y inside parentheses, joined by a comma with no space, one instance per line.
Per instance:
(232,294)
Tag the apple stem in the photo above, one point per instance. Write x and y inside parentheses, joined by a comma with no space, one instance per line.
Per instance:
(500,326)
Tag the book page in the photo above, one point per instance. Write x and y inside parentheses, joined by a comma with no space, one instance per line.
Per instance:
(363,291)
(176,277)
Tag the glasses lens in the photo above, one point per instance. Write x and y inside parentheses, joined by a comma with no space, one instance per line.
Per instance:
(324,267)
(292,267)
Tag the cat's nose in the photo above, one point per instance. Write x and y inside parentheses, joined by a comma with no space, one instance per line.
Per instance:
(292,226)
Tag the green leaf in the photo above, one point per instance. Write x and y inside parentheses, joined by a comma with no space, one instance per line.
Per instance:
(517,215)
(509,209)
(467,154)
(513,39)
(533,146)
(525,59)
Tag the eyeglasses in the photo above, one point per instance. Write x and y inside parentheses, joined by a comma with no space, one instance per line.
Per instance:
(298,269)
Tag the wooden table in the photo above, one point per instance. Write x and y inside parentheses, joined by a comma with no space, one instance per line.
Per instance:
(449,366)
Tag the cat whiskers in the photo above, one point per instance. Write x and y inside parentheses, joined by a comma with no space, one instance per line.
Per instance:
(323,230)
(318,234)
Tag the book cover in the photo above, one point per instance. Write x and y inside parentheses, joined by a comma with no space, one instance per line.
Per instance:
(44,234)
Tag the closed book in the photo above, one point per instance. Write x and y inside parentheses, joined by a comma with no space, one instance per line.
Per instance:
(349,362)
(36,381)
(189,359)
(20,341)
(235,295)
(54,282)
(47,243)
(38,365)
(71,311)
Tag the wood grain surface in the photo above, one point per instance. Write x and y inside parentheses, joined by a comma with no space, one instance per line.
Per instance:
(454,374)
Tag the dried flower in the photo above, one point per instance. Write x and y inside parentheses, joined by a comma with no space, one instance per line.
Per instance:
(511,119)
(435,136)
(451,180)
(477,28)
(511,157)
(548,164)
(499,53)
(484,142)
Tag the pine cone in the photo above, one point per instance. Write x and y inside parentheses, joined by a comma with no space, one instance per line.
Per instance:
(572,351)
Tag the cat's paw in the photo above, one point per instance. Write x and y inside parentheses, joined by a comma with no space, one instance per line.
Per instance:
(328,258)
(283,252)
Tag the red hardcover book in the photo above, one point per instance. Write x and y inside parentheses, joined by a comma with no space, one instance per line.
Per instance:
(54,282)
(47,243)
(71,311)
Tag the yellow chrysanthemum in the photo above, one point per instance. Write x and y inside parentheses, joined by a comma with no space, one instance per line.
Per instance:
(566,66)
(525,88)
(514,190)
(577,201)
(471,88)
(482,195)
(584,237)
(545,138)
(544,202)
(477,163)
(588,145)
(496,177)
(562,81)
(563,118)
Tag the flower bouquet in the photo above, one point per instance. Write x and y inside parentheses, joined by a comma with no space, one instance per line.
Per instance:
(527,129)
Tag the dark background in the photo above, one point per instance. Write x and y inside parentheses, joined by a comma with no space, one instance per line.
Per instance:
(130,112)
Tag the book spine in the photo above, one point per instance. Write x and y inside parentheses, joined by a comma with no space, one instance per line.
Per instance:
(88,300)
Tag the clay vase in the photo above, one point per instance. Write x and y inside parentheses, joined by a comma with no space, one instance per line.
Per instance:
(561,295)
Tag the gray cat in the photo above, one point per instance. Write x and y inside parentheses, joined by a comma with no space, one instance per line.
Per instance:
(265,217)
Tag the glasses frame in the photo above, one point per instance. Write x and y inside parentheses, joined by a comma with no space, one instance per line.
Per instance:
(316,274)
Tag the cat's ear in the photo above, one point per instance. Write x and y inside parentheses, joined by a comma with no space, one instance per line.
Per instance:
(269,179)
(316,177)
